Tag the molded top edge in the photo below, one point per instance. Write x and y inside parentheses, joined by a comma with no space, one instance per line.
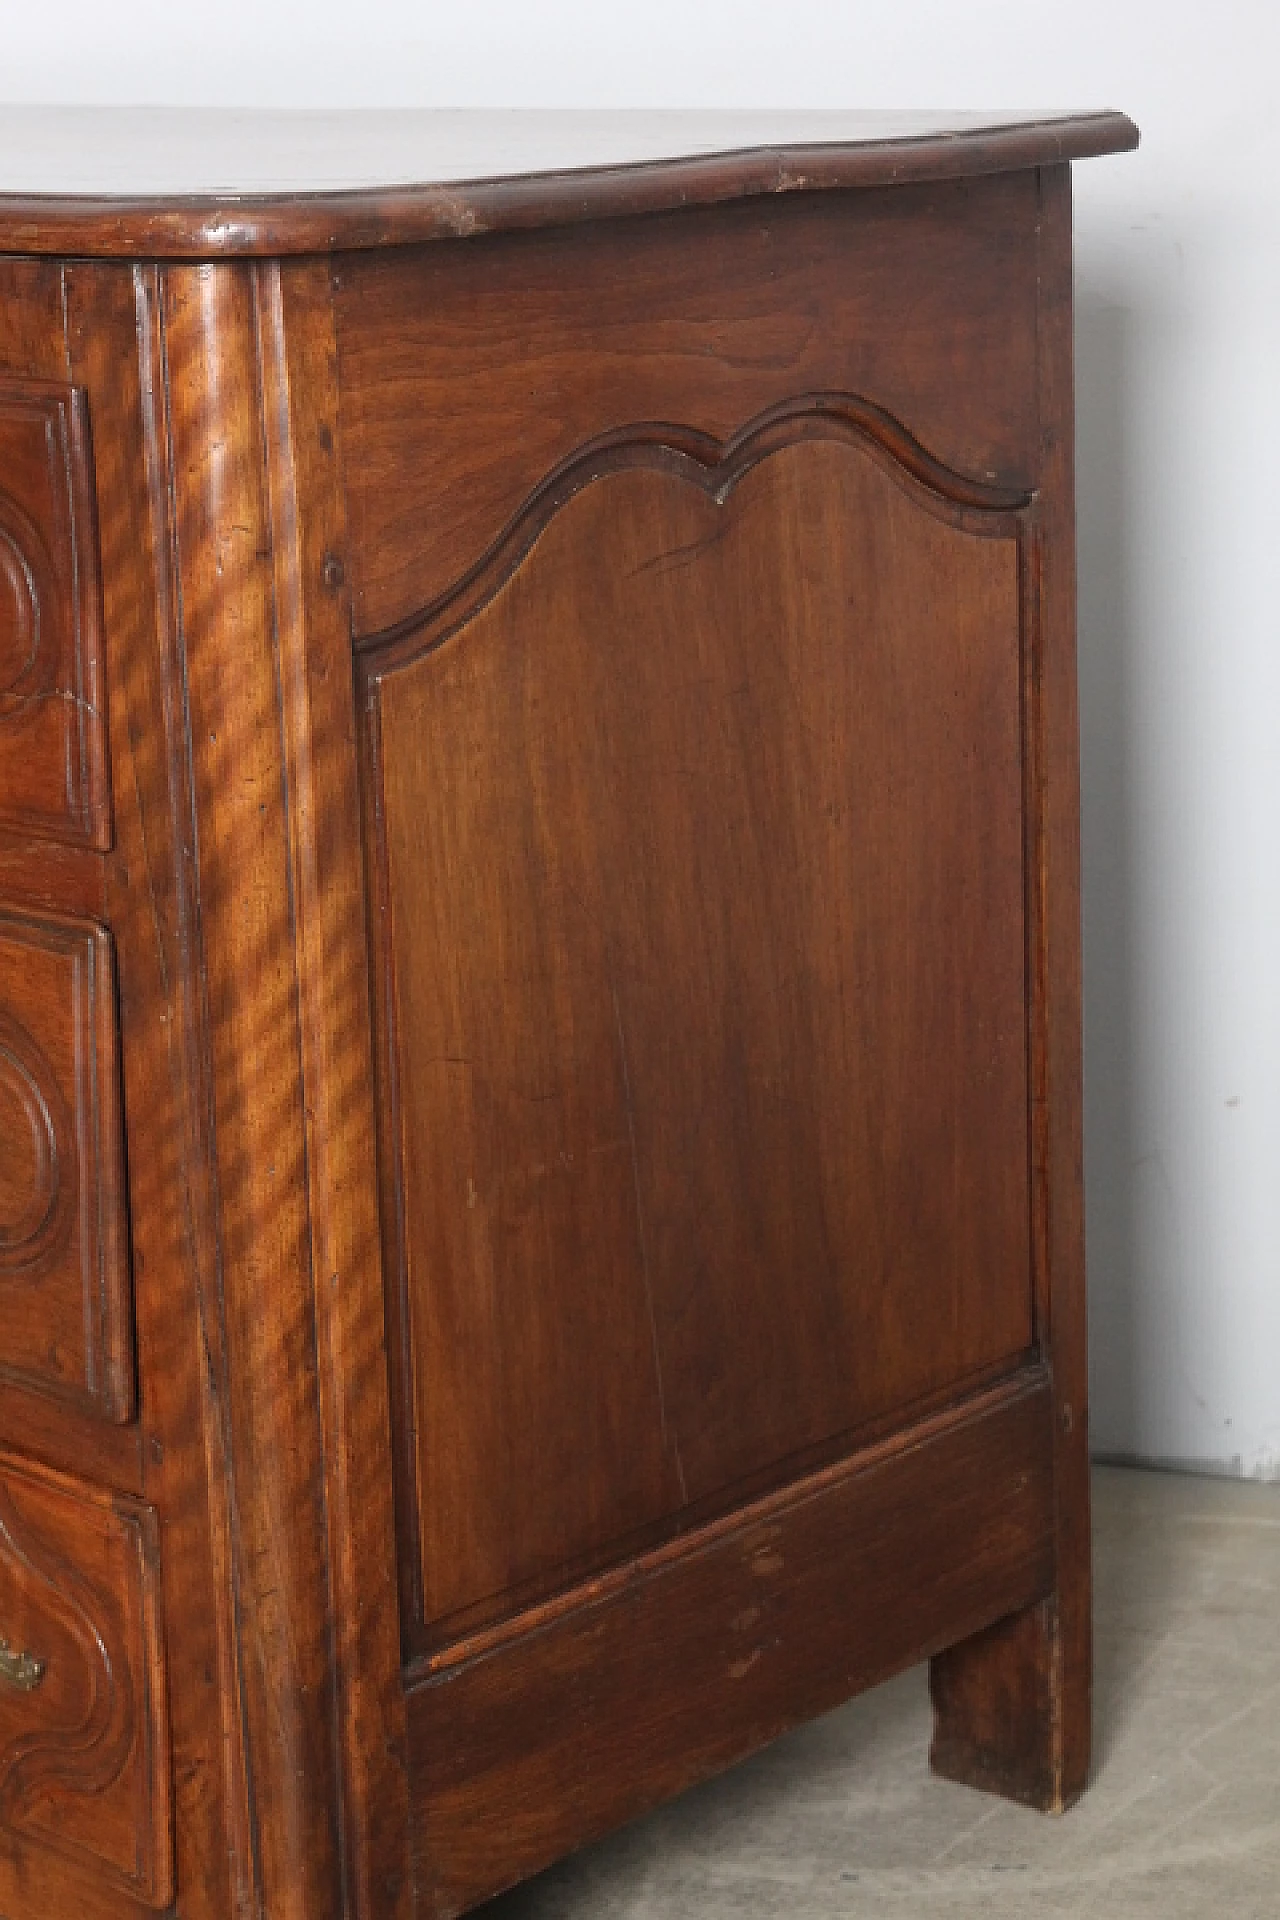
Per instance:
(170,183)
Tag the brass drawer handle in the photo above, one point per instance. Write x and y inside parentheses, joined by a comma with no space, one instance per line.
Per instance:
(20,1670)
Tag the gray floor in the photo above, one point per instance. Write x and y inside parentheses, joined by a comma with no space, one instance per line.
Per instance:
(842,1820)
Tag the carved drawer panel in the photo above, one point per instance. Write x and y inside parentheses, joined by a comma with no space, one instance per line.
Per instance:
(65,1294)
(53,755)
(84,1749)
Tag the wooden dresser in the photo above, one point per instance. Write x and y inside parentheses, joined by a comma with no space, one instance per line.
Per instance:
(540,1215)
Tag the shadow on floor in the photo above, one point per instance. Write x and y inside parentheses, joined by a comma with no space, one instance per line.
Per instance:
(842,1820)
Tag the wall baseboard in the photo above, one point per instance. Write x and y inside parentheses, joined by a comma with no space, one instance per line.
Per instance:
(1266,1472)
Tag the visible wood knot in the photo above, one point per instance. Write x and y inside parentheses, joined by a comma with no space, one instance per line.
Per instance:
(333,573)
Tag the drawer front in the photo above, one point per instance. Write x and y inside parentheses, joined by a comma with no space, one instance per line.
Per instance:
(53,752)
(84,1749)
(65,1293)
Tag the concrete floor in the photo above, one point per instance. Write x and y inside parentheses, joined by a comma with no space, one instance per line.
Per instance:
(842,1820)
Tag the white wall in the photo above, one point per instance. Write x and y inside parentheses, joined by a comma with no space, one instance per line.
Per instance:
(1179,370)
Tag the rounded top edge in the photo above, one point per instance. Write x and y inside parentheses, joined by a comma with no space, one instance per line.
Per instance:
(168,184)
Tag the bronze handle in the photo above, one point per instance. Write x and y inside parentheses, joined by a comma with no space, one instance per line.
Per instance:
(20,1670)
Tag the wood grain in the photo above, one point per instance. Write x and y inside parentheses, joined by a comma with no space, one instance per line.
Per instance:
(115,344)
(172,184)
(554,1017)
(469,373)
(299,367)
(53,738)
(66,1298)
(709,1151)
(713,1647)
(1014,1707)
(32,346)
(84,1758)
(272,1432)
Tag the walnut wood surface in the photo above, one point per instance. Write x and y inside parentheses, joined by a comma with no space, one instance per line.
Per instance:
(313,624)
(271,1412)
(708,1153)
(184,184)
(1014,1709)
(471,375)
(579,923)
(66,1300)
(702,1653)
(116,345)
(53,739)
(84,1757)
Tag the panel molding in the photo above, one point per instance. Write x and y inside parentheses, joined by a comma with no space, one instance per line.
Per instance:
(29,663)
(715,466)
(53,732)
(715,470)
(68,1224)
(32,1234)
(81,1569)
(700,1654)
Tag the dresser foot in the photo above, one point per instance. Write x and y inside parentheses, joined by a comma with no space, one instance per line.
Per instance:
(1012,1712)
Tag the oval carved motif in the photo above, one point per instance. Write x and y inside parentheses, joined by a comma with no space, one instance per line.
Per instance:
(32,1124)
(53,769)
(19,614)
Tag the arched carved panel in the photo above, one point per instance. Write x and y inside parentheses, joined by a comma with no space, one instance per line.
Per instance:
(53,742)
(470,372)
(84,1747)
(698,884)
(66,1302)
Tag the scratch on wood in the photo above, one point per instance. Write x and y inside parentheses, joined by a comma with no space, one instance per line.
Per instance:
(766,1562)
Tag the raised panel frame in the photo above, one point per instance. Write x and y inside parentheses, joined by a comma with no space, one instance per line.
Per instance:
(293,662)
(54,773)
(60,1066)
(716,468)
(85,1770)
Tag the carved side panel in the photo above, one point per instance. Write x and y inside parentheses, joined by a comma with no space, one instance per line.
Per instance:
(699,913)
(53,749)
(65,1294)
(84,1751)
(469,373)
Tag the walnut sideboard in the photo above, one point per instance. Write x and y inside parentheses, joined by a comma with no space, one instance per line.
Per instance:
(540,1189)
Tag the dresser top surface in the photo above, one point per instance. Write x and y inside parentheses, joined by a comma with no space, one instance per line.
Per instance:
(193,183)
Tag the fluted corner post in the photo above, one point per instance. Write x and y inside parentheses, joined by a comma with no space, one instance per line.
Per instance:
(302,1394)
